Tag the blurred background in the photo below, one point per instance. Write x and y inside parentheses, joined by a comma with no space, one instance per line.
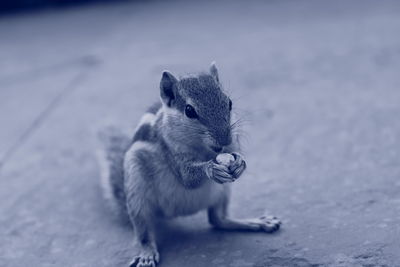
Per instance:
(8,6)
(316,82)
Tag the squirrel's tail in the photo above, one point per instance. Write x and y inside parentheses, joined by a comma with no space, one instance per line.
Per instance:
(114,144)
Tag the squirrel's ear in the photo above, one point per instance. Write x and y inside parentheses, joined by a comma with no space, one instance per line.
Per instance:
(214,71)
(168,87)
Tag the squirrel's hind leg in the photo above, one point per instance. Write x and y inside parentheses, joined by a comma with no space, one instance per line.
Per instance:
(146,253)
(139,195)
(218,217)
(145,247)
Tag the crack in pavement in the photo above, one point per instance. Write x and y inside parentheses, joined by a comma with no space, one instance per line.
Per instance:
(71,86)
(84,61)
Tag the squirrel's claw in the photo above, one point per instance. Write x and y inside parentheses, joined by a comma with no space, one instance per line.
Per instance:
(269,224)
(219,173)
(238,166)
(226,174)
(145,259)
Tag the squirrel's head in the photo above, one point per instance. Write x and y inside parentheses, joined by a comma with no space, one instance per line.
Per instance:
(197,110)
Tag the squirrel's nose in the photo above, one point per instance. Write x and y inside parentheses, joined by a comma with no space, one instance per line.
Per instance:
(217,149)
(226,140)
(222,137)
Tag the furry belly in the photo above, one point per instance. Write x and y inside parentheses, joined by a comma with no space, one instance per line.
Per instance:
(179,201)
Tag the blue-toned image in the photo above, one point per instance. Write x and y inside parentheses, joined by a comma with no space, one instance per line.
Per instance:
(199,133)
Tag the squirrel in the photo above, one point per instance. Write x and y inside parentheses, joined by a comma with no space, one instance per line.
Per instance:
(182,159)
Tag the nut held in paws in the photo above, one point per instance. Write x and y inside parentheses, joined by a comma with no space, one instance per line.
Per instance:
(225,159)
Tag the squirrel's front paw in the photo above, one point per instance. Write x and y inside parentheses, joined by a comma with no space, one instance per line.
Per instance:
(238,166)
(219,173)
(234,162)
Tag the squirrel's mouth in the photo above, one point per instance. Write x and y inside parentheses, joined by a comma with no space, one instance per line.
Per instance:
(217,149)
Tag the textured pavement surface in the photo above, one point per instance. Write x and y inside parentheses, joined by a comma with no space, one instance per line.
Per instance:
(316,82)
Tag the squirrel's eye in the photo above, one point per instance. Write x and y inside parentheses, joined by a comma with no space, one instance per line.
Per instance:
(190,112)
(230,104)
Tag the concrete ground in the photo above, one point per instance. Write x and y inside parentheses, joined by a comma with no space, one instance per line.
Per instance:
(316,82)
